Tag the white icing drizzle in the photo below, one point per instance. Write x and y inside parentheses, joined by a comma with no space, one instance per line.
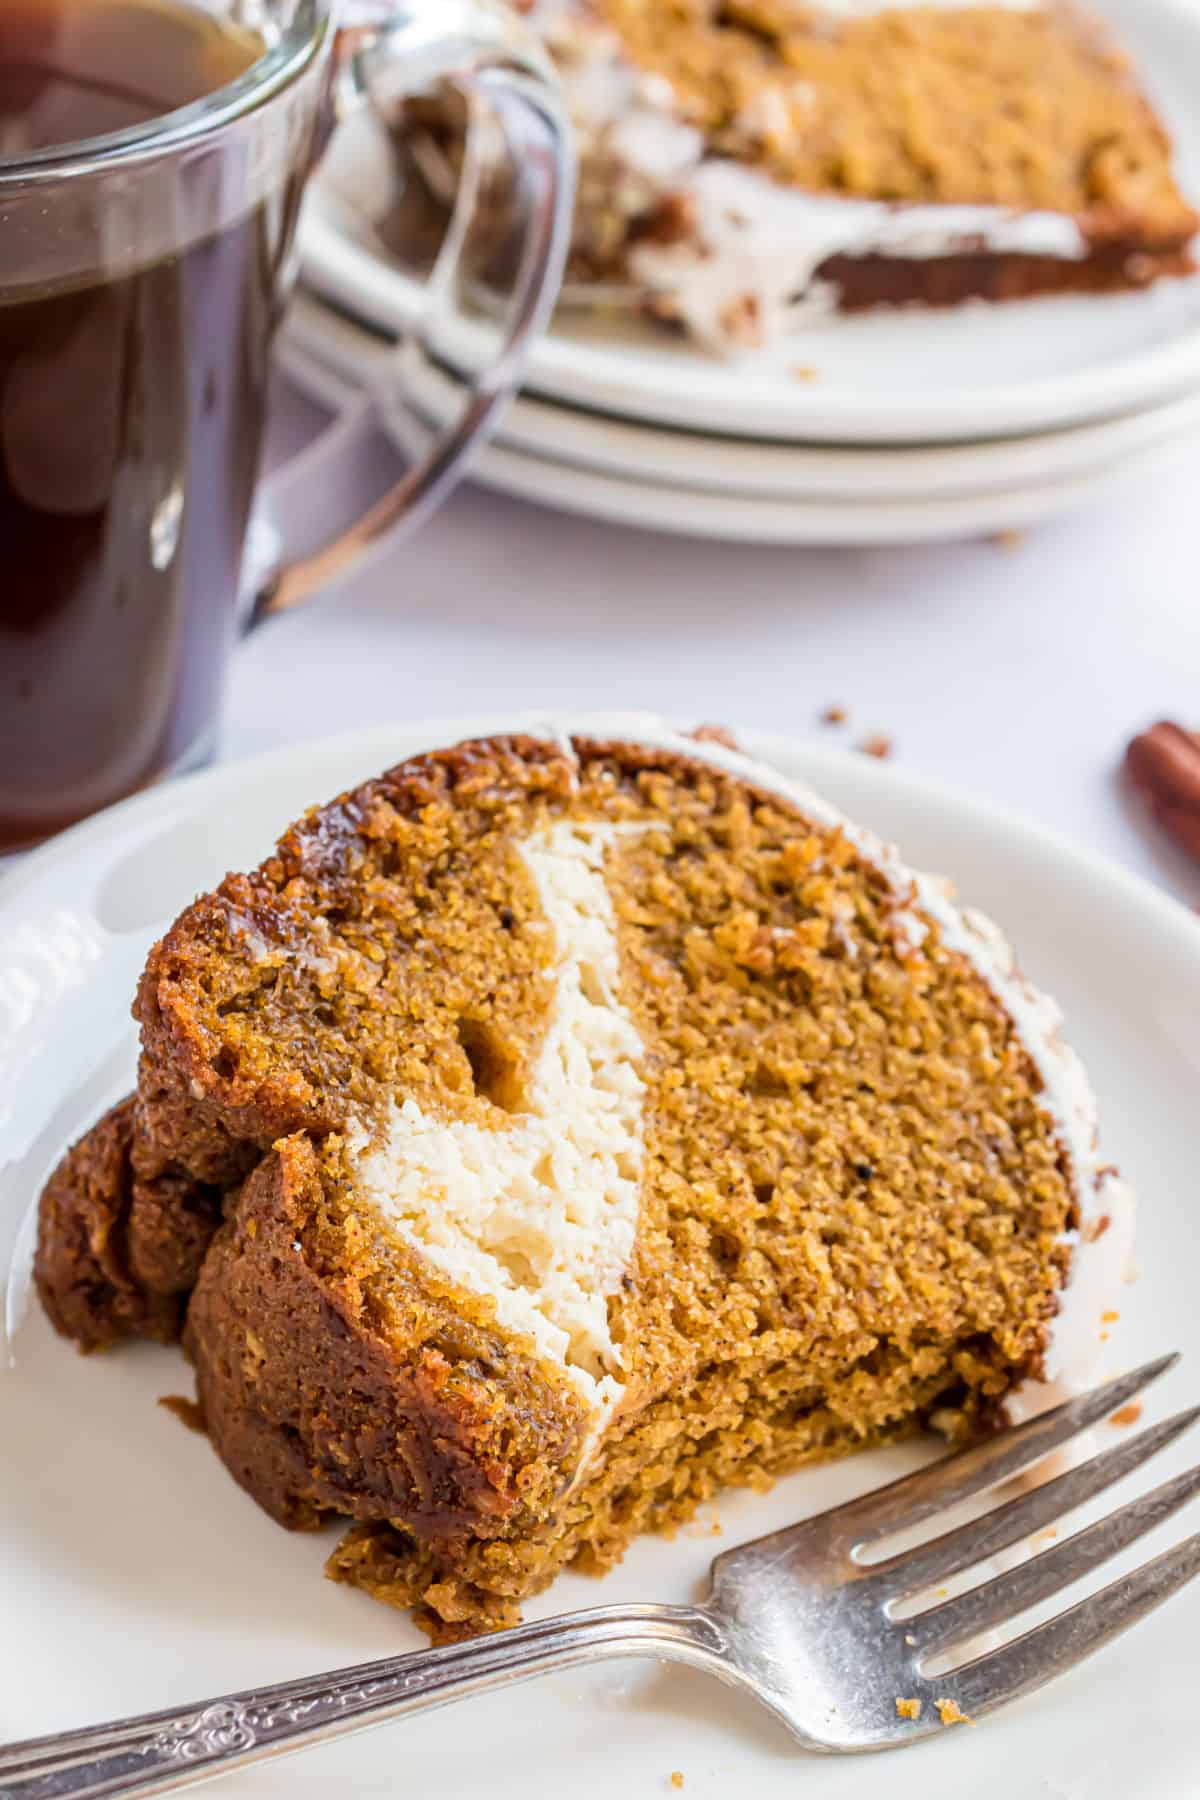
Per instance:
(749,270)
(1101,1248)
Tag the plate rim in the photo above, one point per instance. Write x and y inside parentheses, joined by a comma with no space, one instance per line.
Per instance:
(644,503)
(345,273)
(316,333)
(817,524)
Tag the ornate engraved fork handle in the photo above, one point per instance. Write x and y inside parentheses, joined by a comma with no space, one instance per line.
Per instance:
(160,1752)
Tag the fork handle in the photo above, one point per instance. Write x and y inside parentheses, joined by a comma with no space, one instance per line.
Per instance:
(159,1752)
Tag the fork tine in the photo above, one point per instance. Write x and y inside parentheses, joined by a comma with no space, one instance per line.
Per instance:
(1051,1649)
(974,1542)
(944,1484)
(996,1602)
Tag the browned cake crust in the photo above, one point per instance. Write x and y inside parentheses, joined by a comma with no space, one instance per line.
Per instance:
(337,1375)
(853,1214)
(271,1006)
(864,282)
(119,1248)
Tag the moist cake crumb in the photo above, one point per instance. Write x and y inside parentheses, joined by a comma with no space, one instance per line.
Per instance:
(676,1778)
(185,1410)
(950,1713)
(711,733)
(834,715)
(908,1709)
(1127,1415)
(878,746)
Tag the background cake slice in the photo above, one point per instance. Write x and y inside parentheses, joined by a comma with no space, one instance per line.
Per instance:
(598,1121)
(746,164)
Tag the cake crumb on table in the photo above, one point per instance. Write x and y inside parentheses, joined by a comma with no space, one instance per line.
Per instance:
(803,372)
(711,733)
(834,715)
(908,1709)
(741,321)
(704,1525)
(676,1779)
(186,1411)
(1008,539)
(1127,1415)
(877,745)
(951,1713)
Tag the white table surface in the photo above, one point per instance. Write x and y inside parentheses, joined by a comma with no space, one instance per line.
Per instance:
(1014,673)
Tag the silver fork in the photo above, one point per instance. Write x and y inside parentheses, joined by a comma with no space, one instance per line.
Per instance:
(800,1618)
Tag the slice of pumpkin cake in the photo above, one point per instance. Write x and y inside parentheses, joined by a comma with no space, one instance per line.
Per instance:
(749,166)
(599,1121)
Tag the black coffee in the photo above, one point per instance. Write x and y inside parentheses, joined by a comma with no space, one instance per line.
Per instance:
(131,412)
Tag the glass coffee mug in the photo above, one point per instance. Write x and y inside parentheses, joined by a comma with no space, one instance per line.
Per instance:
(146,254)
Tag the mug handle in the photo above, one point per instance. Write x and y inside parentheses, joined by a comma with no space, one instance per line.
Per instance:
(481,48)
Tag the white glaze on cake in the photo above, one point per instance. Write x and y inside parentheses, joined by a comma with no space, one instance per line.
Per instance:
(749,270)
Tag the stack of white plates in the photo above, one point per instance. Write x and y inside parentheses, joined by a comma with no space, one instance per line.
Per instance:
(897,426)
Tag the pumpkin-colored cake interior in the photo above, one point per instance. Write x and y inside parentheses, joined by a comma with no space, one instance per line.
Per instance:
(1028,107)
(597,1130)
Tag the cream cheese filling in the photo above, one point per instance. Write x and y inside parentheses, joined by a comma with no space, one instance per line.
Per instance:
(539,1214)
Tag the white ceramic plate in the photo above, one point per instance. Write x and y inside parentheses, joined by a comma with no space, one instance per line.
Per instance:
(332,369)
(135,1574)
(641,452)
(745,519)
(898,377)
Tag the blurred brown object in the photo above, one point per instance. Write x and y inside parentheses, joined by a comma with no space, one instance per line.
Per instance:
(715,734)
(1164,764)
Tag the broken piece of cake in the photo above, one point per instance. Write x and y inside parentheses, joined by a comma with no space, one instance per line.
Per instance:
(564,1126)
